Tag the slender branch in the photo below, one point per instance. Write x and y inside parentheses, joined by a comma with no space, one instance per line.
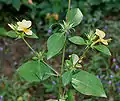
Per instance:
(38,55)
(63,59)
(83,55)
(61,71)
(30,46)
(52,69)
(85,51)
(69,2)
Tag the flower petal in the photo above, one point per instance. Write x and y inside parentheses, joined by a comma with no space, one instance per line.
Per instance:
(105,42)
(20,28)
(100,33)
(26,24)
(19,24)
(28,32)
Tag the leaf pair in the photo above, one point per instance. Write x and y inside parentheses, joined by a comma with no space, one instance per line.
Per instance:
(84,82)
(80,41)
(56,41)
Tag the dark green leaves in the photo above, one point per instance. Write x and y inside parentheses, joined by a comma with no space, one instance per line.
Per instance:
(32,36)
(88,84)
(103,49)
(2,32)
(51,100)
(77,40)
(54,44)
(94,2)
(66,78)
(75,16)
(16,4)
(11,34)
(34,71)
(70,96)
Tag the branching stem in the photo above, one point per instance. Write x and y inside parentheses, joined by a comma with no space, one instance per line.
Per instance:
(83,55)
(37,54)
(63,59)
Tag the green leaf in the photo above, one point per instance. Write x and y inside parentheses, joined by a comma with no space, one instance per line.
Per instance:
(77,40)
(51,100)
(75,58)
(2,32)
(12,34)
(66,78)
(70,96)
(16,4)
(94,2)
(32,36)
(34,71)
(88,100)
(88,84)
(103,49)
(54,44)
(68,64)
(75,16)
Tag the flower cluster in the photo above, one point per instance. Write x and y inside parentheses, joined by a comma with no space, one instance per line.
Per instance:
(101,36)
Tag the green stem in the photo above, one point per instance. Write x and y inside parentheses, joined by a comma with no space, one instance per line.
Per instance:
(52,69)
(63,59)
(61,72)
(69,2)
(36,53)
(86,50)
(30,47)
(83,55)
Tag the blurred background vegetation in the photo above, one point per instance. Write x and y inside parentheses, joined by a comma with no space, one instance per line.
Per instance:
(102,14)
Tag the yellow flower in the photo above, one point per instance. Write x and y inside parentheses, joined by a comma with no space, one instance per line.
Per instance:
(101,35)
(25,27)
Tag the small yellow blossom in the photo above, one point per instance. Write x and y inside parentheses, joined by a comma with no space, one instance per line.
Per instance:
(101,35)
(25,27)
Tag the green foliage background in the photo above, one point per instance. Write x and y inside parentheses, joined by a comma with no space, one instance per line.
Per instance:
(102,14)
